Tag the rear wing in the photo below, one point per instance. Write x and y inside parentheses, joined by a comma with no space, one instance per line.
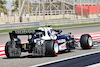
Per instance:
(14,34)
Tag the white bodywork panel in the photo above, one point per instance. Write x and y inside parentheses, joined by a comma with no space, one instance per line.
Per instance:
(62,46)
(52,36)
(47,37)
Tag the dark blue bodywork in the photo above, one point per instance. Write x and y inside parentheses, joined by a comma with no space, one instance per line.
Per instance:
(65,36)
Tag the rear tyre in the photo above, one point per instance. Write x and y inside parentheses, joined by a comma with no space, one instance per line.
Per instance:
(12,51)
(86,41)
(51,47)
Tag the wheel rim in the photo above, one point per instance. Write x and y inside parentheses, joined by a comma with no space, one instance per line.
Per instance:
(90,41)
(56,48)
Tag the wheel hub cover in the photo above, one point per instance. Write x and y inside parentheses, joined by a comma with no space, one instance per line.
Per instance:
(90,41)
(56,48)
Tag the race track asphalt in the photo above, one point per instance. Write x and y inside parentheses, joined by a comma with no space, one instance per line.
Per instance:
(26,61)
(81,61)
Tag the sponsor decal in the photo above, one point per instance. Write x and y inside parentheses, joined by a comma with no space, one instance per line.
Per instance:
(63,46)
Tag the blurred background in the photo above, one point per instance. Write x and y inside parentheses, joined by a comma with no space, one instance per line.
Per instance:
(50,11)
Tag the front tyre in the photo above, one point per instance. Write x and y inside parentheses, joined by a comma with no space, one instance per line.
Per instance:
(86,41)
(51,47)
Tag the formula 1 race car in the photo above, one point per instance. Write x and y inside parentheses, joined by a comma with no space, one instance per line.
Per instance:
(45,41)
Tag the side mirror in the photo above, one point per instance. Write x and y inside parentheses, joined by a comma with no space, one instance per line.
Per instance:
(60,31)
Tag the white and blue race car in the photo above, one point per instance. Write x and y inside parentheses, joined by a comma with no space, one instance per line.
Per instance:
(44,41)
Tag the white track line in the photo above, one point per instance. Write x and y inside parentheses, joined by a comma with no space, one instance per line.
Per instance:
(64,59)
(94,65)
(2,48)
(2,52)
(2,45)
(3,56)
(92,34)
(98,35)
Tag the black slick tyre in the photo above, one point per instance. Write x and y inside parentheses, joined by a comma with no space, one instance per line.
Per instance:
(12,52)
(51,47)
(86,41)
